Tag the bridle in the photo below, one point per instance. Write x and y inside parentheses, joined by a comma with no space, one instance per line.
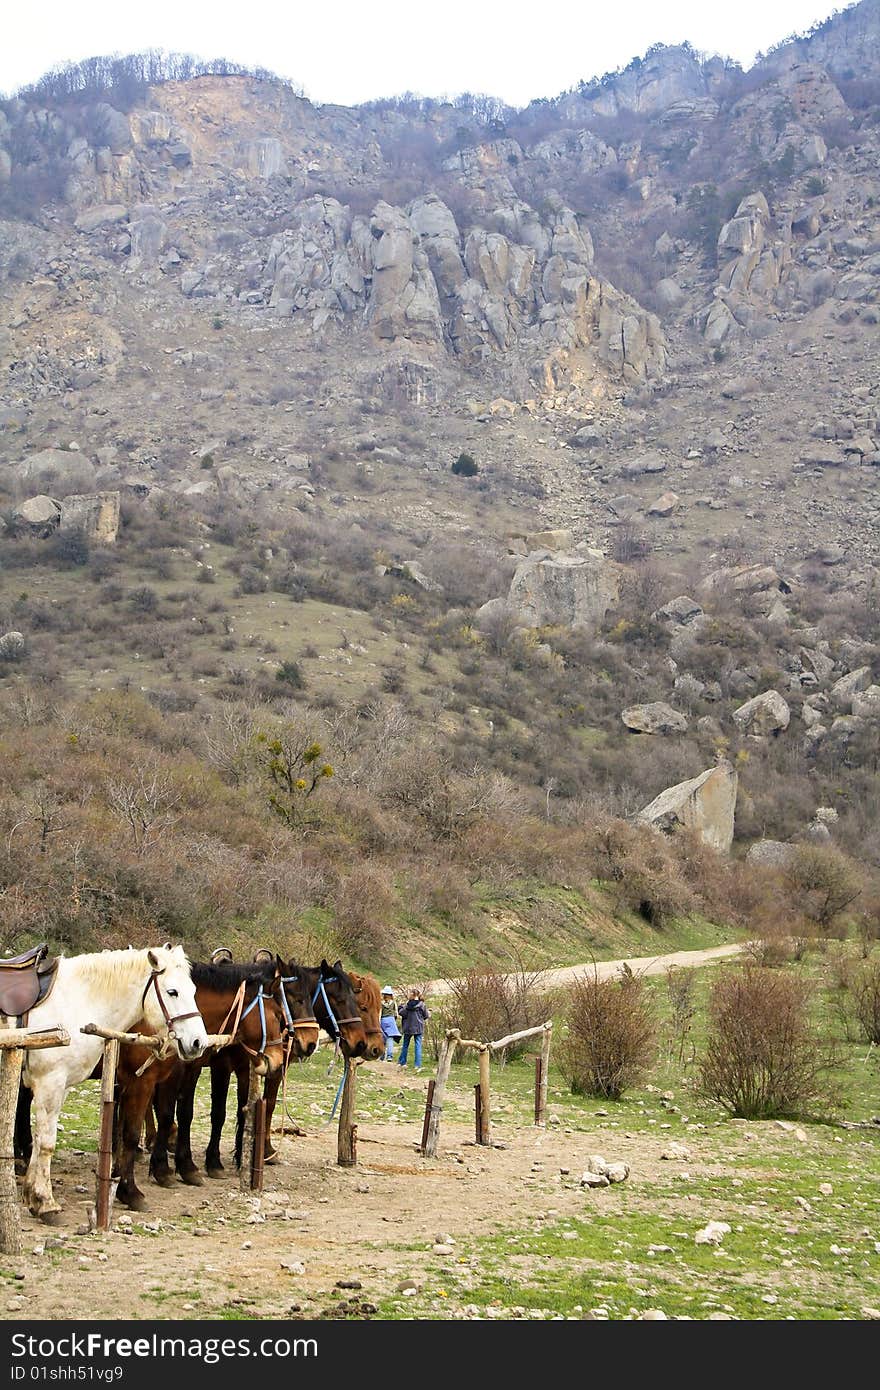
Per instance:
(170,1019)
(293,1023)
(336,1024)
(237,1008)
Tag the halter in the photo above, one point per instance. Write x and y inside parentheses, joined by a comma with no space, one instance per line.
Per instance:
(169,1018)
(292,1022)
(335,1023)
(241,1013)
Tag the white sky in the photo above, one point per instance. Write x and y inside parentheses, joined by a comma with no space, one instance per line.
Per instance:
(349,51)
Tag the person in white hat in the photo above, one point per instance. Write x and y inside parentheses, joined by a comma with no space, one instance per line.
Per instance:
(388,1022)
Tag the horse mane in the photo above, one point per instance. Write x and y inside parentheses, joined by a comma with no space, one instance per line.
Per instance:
(109,968)
(224,975)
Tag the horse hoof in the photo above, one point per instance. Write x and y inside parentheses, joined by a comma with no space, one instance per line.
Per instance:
(271,1157)
(216,1172)
(164,1179)
(192,1179)
(135,1201)
(49,1218)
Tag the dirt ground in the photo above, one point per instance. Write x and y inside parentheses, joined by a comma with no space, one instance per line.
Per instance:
(375,1223)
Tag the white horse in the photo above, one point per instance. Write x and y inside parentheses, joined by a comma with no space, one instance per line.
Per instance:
(113,989)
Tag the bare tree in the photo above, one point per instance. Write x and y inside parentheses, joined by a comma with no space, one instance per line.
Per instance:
(145,803)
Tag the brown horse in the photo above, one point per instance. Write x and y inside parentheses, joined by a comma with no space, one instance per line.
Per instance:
(369,1002)
(294,987)
(230,998)
(331,993)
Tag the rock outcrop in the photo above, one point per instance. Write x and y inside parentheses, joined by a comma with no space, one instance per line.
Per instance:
(767,713)
(704,804)
(573,589)
(654,718)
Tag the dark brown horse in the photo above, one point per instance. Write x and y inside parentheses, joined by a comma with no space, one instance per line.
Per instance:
(331,994)
(294,994)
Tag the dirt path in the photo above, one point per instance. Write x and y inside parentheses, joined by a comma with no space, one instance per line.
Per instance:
(606,969)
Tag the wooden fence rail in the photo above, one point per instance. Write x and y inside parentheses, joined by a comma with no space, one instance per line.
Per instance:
(482,1106)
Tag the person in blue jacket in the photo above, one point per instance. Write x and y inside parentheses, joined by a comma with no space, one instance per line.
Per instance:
(413,1017)
(388,1023)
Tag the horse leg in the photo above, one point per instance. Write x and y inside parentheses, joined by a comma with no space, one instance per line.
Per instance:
(183,1159)
(242,1077)
(23,1142)
(220,1073)
(270,1092)
(48,1091)
(134,1101)
(164,1098)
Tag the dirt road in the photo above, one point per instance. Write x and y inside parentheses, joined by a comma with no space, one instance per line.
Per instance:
(640,965)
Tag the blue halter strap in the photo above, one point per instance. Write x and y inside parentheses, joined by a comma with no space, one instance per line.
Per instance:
(258,1001)
(322,993)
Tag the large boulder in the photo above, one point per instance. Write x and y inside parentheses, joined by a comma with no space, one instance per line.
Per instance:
(40,515)
(654,718)
(765,714)
(866,703)
(844,691)
(55,471)
(704,804)
(567,589)
(94,515)
(770,854)
(680,612)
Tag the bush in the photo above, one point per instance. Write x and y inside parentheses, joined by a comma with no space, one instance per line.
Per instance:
(362,907)
(865,994)
(823,883)
(289,673)
(488,1005)
(465,466)
(611,1038)
(762,1057)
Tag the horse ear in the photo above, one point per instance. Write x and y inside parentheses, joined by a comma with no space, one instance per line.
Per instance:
(325,968)
(153,959)
(166,946)
(337,965)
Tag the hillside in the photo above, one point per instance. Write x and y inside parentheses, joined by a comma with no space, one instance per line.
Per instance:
(526,461)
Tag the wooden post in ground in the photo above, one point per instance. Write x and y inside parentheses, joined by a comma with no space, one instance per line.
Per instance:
(485,1130)
(14,1042)
(541,1099)
(447,1051)
(259,1144)
(104,1170)
(538,1070)
(10,1217)
(346,1134)
(428,1102)
(246,1176)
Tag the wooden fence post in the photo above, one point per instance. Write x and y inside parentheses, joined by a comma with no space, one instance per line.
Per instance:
(10,1218)
(541,1100)
(428,1103)
(104,1170)
(259,1144)
(484,1135)
(346,1136)
(444,1063)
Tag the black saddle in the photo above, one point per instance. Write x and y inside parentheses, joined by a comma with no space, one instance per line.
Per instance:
(26,981)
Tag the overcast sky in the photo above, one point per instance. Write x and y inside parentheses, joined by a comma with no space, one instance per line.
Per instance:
(349,51)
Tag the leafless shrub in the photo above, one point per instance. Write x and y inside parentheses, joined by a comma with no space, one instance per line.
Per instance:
(611,1037)
(362,908)
(487,1005)
(763,1058)
(865,996)
(680,985)
(823,883)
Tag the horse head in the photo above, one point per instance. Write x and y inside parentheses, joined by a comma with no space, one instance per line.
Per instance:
(336,1009)
(169,1001)
(369,1003)
(295,991)
(263,1021)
